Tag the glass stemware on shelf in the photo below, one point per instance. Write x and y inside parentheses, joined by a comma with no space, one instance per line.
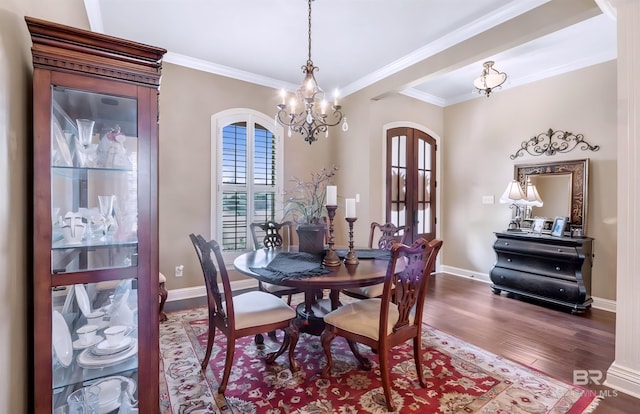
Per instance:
(105,204)
(85,150)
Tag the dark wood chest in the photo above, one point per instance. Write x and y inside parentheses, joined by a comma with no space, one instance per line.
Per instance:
(556,270)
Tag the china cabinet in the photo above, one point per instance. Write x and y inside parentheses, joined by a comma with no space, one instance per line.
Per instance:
(95,224)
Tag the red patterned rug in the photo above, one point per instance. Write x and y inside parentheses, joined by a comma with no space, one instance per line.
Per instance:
(461,378)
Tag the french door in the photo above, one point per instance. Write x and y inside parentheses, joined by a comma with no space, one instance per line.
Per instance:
(411,182)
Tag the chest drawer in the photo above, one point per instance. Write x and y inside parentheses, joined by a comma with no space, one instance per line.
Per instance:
(528,248)
(530,283)
(552,267)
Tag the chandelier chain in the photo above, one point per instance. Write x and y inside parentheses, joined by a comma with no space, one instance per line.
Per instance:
(309,58)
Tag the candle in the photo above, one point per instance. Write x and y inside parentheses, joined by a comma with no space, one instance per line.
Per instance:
(332,195)
(350,208)
(283,95)
(335,97)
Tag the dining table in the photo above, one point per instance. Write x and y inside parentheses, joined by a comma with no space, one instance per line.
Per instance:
(305,271)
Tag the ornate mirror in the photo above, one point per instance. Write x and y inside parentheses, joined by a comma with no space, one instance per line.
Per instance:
(563,189)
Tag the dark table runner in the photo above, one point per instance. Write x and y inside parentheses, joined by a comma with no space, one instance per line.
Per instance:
(288,265)
(366,253)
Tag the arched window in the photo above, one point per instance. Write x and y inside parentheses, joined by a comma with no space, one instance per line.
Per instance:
(247,174)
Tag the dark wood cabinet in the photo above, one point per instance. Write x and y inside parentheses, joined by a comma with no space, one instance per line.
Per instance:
(95,223)
(555,270)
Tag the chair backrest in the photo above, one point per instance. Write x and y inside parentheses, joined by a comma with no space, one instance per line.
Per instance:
(407,288)
(269,234)
(220,303)
(389,234)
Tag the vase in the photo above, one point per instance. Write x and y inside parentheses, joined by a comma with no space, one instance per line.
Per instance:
(311,238)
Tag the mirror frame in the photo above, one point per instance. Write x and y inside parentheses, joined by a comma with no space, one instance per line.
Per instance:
(579,171)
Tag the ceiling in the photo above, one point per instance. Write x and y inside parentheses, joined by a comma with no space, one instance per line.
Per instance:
(431,50)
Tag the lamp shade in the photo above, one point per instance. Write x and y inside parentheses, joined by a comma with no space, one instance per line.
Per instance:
(512,194)
(532,197)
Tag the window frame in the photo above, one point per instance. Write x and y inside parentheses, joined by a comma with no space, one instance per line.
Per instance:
(218,122)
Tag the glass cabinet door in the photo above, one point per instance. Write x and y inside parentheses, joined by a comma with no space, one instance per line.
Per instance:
(94,218)
(93,181)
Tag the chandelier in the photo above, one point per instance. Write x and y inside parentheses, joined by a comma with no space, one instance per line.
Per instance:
(489,80)
(312,118)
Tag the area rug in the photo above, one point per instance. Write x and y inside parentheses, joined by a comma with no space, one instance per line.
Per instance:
(461,378)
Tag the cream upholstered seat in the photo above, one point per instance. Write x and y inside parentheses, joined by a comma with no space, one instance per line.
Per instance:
(237,316)
(389,234)
(385,322)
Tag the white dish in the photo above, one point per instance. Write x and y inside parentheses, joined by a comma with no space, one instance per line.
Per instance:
(110,389)
(103,348)
(83,300)
(87,359)
(62,345)
(78,344)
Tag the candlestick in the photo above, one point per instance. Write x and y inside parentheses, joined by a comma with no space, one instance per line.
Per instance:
(331,257)
(350,208)
(332,195)
(351,258)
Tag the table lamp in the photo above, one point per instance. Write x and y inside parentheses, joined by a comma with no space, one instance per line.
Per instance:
(514,196)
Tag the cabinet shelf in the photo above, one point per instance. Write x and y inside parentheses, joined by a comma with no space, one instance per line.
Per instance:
(61,168)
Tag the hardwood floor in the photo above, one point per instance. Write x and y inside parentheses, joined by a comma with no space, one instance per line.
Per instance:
(550,340)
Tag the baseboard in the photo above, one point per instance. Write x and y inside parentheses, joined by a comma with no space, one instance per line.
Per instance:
(236,285)
(482,277)
(598,303)
(604,304)
(623,379)
(201,291)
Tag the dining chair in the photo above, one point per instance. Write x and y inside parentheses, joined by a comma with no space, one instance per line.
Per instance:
(385,322)
(388,234)
(269,235)
(163,295)
(237,316)
(272,238)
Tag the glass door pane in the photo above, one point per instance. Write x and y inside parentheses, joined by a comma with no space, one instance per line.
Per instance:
(94,178)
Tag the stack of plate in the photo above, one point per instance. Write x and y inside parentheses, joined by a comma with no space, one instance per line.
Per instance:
(103,354)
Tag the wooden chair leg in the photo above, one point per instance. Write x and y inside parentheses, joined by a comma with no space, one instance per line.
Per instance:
(326,338)
(210,338)
(386,382)
(418,361)
(163,299)
(228,362)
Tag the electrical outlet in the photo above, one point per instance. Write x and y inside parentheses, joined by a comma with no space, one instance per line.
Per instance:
(179,270)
